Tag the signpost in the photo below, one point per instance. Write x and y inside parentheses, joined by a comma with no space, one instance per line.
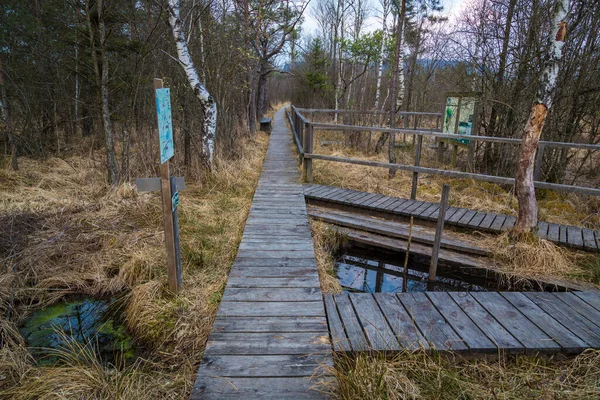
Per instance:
(460,118)
(169,186)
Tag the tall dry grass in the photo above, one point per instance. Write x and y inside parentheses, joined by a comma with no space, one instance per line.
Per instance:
(435,376)
(71,234)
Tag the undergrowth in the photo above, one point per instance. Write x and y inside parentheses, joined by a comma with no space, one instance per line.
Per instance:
(435,376)
(66,232)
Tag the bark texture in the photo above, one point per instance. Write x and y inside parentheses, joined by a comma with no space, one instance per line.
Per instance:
(524,183)
(209,106)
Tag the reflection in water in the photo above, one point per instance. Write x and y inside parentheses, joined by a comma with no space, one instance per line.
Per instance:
(360,273)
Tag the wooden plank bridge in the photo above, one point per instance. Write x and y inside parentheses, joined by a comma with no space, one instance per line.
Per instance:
(270,337)
(377,204)
(275,333)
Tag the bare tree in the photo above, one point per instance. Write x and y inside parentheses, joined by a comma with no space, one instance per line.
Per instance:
(209,107)
(524,188)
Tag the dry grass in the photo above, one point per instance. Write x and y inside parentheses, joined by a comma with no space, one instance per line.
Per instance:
(327,243)
(72,234)
(422,376)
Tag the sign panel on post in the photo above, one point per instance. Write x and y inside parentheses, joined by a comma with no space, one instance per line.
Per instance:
(459,116)
(165,124)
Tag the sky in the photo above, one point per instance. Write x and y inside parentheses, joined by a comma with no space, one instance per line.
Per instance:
(451,9)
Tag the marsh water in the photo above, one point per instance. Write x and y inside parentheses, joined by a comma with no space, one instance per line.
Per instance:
(360,270)
(88,321)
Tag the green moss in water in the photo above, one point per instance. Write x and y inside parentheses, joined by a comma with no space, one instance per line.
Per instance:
(84,320)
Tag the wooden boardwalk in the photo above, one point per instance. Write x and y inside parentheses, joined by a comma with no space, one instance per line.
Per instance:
(270,338)
(565,235)
(478,322)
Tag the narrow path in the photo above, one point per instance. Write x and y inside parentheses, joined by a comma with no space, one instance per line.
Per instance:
(270,336)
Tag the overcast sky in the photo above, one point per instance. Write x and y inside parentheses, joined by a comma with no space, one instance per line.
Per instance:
(451,9)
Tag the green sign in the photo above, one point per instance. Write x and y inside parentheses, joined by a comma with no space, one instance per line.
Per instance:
(165,124)
(459,116)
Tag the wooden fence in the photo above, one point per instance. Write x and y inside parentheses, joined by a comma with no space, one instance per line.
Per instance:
(303,130)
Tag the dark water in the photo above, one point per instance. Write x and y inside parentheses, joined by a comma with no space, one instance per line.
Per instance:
(361,271)
(87,321)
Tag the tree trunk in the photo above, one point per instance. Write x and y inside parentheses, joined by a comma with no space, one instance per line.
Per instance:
(5,108)
(209,106)
(386,5)
(524,188)
(261,91)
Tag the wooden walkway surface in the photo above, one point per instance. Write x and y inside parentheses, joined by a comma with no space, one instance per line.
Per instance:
(565,235)
(477,322)
(270,338)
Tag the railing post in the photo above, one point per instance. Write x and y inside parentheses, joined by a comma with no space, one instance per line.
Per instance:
(308,148)
(439,229)
(538,162)
(415,178)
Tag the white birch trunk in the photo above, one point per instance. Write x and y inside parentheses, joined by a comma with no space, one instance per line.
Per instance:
(401,85)
(386,5)
(209,106)
(524,181)
(340,65)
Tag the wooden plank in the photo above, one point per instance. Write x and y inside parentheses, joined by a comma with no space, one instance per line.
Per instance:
(419,211)
(269,324)
(509,223)
(498,222)
(268,343)
(561,335)
(373,322)
(562,234)
(271,309)
(542,231)
(391,206)
(275,282)
(401,322)
(487,221)
(268,272)
(354,331)
(410,210)
(370,200)
(465,219)
(242,262)
(272,294)
(432,325)
(460,212)
(477,220)
(502,338)
(591,298)
(584,309)
(562,313)
(267,388)
(575,236)
(533,338)
(430,210)
(589,242)
(400,209)
(462,324)
(339,339)
(553,230)
(265,365)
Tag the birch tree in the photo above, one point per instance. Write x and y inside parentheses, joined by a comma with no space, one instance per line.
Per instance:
(386,6)
(209,106)
(524,188)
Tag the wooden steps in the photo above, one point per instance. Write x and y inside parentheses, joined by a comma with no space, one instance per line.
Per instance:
(565,235)
(475,323)
(270,338)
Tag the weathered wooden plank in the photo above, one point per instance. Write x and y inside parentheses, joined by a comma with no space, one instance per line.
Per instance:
(477,220)
(269,324)
(584,309)
(272,294)
(498,222)
(542,232)
(373,322)
(265,365)
(509,223)
(210,388)
(562,234)
(487,323)
(562,313)
(430,210)
(432,325)
(242,262)
(575,236)
(339,339)
(268,343)
(553,232)
(533,338)
(401,322)
(277,254)
(465,219)
(400,209)
(561,335)
(354,331)
(456,216)
(591,298)
(462,324)
(271,309)
(295,282)
(589,241)
(487,221)
(276,246)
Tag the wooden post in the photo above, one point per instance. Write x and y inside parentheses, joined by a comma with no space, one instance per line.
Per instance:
(405,269)
(415,177)
(308,148)
(539,158)
(439,229)
(165,182)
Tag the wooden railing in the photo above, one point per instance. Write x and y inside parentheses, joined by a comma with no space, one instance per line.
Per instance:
(303,130)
